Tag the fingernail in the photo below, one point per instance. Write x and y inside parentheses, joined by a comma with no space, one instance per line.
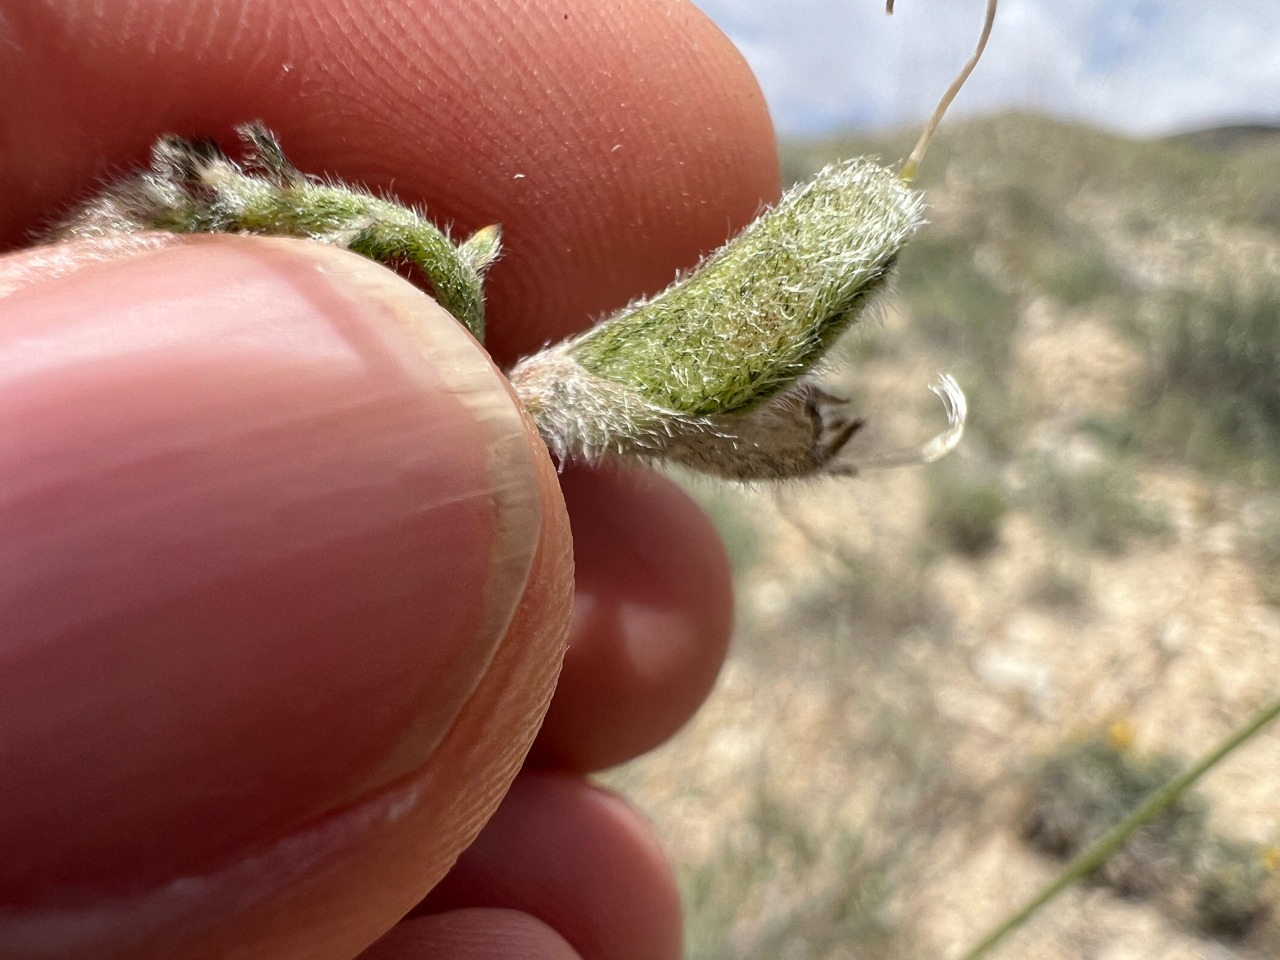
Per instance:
(265,512)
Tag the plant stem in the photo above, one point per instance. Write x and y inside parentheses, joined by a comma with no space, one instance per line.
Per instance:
(1156,803)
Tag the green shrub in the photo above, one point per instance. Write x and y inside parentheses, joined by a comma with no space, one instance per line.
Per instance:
(1083,789)
(1098,507)
(1076,276)
(965,510)
(1234,888)
(955,306)
(1219,355)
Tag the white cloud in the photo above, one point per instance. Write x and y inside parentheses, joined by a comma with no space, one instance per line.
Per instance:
(1141,66)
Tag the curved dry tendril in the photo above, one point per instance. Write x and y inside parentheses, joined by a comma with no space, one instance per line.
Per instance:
(912,164)
(957,407)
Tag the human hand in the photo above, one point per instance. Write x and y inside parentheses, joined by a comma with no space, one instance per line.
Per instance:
(284,576)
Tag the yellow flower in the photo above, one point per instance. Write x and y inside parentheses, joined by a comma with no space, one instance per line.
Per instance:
(1120,734)
(1271,858)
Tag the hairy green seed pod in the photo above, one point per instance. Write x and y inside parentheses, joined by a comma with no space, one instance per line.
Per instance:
(712,373)
(757,313)
(709,372)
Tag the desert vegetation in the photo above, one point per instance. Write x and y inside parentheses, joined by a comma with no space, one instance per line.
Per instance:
(932,665)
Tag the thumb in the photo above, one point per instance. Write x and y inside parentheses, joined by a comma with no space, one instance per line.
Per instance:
(284,582)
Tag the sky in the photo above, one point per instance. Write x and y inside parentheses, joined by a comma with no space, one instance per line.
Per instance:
(1142,67)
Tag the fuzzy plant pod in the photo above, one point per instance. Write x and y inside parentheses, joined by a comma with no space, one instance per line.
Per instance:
(712,374)
(715,373)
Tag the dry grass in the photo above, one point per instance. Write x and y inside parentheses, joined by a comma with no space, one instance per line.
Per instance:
(912,645)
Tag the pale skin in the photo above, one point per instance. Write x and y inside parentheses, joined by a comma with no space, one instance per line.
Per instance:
(586,227)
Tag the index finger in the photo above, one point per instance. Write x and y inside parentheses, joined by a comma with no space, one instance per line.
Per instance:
(608,171)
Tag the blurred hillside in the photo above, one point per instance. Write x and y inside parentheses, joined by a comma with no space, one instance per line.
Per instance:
(1086,591)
